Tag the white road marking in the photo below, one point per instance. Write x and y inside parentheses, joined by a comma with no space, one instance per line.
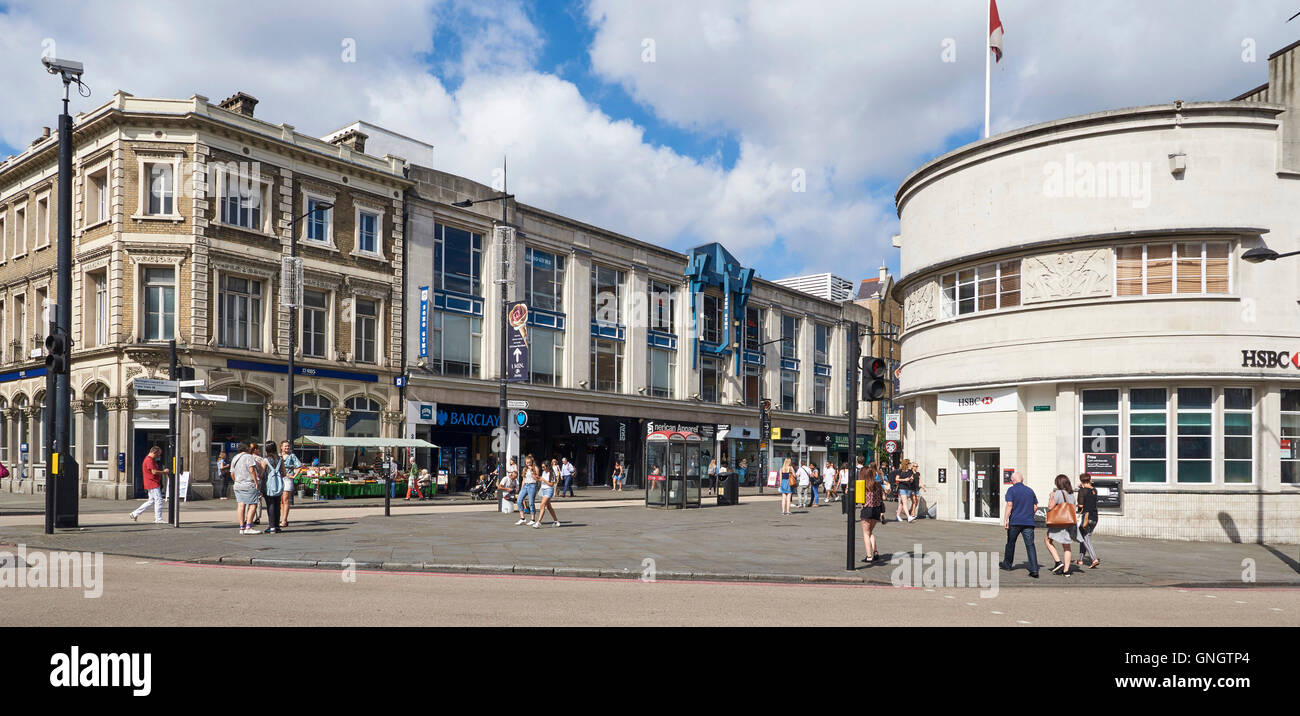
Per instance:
(970,604)
(997,612)
(1021,621)
(1210,596)
(1275,609)
(1238,601)
(948,596)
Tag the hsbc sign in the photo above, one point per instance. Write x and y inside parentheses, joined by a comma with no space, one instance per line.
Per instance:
(1270,359)
(994,400)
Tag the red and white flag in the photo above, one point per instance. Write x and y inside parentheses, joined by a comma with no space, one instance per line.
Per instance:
(995,31)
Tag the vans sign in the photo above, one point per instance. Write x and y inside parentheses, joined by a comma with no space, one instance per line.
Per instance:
(583,425)
(993,400)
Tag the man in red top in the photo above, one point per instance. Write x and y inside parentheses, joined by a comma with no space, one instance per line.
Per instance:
(152,483)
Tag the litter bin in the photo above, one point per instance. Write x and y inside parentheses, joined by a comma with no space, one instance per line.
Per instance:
(728,489)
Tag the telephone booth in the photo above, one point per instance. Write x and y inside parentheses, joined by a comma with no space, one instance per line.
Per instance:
(672,470)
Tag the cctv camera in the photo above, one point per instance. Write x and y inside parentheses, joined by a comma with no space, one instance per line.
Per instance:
(56,66)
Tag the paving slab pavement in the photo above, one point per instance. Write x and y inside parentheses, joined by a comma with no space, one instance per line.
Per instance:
(750,541)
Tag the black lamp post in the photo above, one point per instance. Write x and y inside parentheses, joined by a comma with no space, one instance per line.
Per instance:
(502,457)
(293,314)
(1263,253)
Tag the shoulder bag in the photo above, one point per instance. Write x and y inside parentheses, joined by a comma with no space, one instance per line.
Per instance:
(1062,514)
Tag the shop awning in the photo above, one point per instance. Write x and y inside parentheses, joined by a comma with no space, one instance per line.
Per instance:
(364,442)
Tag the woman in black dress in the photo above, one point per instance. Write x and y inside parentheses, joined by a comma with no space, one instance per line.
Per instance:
(1087,520)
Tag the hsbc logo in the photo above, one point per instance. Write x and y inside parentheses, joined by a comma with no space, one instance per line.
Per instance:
(1269,359)
(582,425)
(975,401)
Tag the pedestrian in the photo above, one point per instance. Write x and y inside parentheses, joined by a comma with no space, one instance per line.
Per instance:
(830,476)
(506,486)
(527,492)
(814,481)
(903,479)
(567,471)
(1062,523)
(916,491)
(244,468)
(742,472)
(616,479)
(844,479)
(1018,521)
(153,483)
(273,486)
(413,482)
(291,470)
(223,474)
(873,508)
(804,477)
(1087,520)
(548,479)
(713,475)
(787,489)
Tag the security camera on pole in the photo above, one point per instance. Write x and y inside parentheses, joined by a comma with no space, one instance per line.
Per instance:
(62,481)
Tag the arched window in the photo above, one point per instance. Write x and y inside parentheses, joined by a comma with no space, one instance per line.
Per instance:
(24,426)
(363,422)
(313,416)
(101,425)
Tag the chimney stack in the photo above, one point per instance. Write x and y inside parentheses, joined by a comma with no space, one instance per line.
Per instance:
(884,274)
(241,103)
(45,134)
(352,139)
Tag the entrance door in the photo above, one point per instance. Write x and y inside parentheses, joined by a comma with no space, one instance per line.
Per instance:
(985,484)
(144,440)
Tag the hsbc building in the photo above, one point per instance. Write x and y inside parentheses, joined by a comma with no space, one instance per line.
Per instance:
(1078,296)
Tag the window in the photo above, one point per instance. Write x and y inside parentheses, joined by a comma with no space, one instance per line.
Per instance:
(20,328)
(661,307)
(24,425)
(1101,421)
(455,342)
(39,433)
(544,280)
(96,210)
(365,322)
(4,237)
(20,231)
(1290,436)
(753,329)
(821,387)
(821,343)
(1195,435)
(710,374)
(315,323)
(43,221)
(161,190)
(242,200)
(752,376)
(96,305)
(159,302)
(241,313)
(362,422)
(1238,435)
(607,365)
(457,259)
(711,318)
(368,232)
(789,337)
(663,366)
(789,389)
(319,224)
(1174,268)
(4,433)
(547,355)
(314,419)
(101,425)
(1148,431)
(606,295)
(984,288)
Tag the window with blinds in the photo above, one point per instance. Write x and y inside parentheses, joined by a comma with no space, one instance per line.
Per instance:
(1183,267)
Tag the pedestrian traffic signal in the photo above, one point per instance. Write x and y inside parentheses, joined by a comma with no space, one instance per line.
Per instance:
(57,347)
(873,381)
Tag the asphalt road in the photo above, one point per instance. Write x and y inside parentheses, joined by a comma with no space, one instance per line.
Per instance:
(155,593)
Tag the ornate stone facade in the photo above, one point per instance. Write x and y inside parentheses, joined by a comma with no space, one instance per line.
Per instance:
(1066,275)
(921,304)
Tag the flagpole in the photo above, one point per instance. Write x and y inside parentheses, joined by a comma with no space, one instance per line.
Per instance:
(988,52)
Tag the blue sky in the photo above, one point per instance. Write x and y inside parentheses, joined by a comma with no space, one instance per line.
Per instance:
(778,131)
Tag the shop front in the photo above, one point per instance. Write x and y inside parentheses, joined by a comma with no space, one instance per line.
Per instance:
(592,443)
(463,434)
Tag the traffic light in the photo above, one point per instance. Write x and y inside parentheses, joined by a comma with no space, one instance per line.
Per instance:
(873,379)
(57,352)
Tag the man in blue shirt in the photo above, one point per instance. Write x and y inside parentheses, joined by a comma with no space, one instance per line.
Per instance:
(1018,520)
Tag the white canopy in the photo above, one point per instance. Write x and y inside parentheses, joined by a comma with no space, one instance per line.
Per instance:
(364,442)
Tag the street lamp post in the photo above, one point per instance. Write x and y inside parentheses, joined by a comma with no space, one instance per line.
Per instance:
(293,312)
(504,282)
(762,455)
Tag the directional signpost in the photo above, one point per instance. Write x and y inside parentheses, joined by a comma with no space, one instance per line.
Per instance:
(518,360)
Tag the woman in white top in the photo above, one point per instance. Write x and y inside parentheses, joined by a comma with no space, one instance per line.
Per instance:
(506,485)
(549,478)
(844,481)
(528,492)
(828,480)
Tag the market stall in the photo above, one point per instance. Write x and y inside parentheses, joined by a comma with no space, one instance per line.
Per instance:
(365,479)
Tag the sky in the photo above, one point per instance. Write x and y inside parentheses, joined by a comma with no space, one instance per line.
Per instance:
(780,129)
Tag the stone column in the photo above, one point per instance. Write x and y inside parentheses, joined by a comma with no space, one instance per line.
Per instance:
(119,437)
(577,310)
(636,318)
(391,423)
(12,416)
(277,421)
(32,414)
(196,419)
(688,377)
(84,441)
(340,428)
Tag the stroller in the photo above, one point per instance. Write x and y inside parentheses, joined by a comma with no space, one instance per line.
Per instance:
(485,489)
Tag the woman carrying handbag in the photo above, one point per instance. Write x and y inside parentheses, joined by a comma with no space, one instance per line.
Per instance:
(1061,523)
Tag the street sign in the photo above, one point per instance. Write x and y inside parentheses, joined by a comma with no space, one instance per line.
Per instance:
(213,397)
(190,383)
(521,418)
(399,381)
(153,403)
(167,386)
(891,447)
(893,430)
(776,433)
(517,404)
(518,360)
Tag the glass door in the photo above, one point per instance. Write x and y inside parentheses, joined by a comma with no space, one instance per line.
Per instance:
(985,483)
